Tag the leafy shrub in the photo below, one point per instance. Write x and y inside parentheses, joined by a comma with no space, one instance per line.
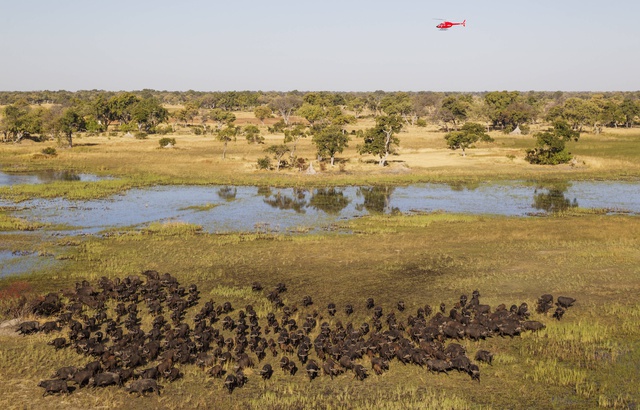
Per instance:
(264,163)
(50,151)
(301,164)
(550,145)
(92,125)
(421,122)
(197,130)
(164,142)
(128,127)
(163,130)
(541,156)
(279,126)
(140,135)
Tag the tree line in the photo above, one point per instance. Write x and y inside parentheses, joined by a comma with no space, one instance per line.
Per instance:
(466,117)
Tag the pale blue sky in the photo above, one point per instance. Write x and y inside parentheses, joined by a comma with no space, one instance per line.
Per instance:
(347,45)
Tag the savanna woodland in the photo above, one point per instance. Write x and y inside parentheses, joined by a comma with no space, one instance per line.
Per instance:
(390,310)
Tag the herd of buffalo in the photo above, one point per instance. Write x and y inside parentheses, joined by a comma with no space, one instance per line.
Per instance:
(105,323)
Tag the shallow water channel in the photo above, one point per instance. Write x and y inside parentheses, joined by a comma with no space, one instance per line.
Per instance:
(246,208)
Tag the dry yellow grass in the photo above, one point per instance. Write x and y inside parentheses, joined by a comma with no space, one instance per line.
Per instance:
(422,156)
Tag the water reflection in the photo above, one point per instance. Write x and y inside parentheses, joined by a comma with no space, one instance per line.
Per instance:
(228,193)
(281,201)
(43,177)
(264,191)
(59,176)
(240,208)
(329,200)
(377,199)
(464,186)
(553,199)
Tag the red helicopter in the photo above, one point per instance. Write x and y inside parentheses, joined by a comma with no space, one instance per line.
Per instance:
(448,24)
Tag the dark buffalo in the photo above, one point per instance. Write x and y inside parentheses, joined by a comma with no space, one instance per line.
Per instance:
(331,308)
(65,373)
(312,370)
(49,327)
(379,365)
(230,383)
(369,303)
(474,372)
(105,379)
(58,343)
(54,386)
(266,372)
(216,371)
(360,372)
(151,373)
(142,386)
(565,302)
(532,325)
(476,331)
(558,313)
(27,328)
(438,366)
(82,377)
(307,301)
(331,368)
(484,356)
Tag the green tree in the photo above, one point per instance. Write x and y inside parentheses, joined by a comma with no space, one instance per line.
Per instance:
(310,112)
(469,134)
(262,112)
(579,112)
(148,113)
(222,117)
(380,139)
(611,113)
(330,141)
(252,134)
(356,105)
(226,135)
(70,121)
(15,120)
(397,104)
(497,102)
(550,145)
(630,109)
(518,113)
(293,135)
(286,105)
(120,106)
(101,109)
(454,109)
(422,104)
(278,151)
(372,101)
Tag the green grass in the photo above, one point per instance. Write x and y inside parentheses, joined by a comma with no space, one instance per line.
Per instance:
(199,208)
(587,360)
(9,223)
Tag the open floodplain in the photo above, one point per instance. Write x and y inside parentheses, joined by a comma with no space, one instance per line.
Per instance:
(589,358)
